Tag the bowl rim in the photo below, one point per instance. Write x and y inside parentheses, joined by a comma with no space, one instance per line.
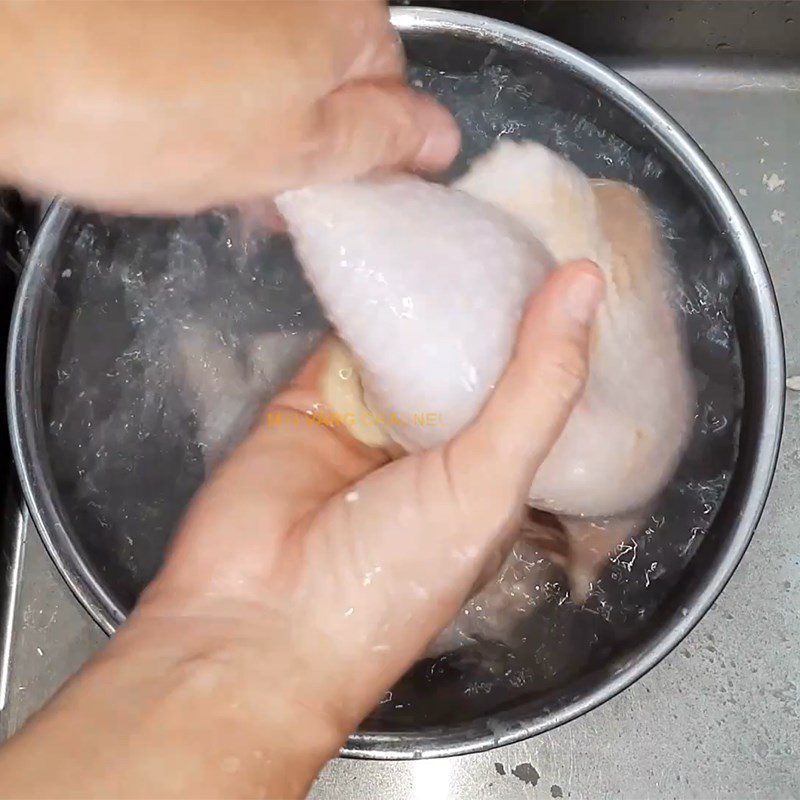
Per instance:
(509,726)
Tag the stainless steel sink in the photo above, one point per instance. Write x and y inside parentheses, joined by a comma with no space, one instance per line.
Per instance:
(719,717)
(692,31)
(16,224)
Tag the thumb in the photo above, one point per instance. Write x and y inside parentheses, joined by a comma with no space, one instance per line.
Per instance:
(366,126)
(498,455)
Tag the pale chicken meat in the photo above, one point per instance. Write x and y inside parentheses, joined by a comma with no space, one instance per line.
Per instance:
(623,441)
(426,285)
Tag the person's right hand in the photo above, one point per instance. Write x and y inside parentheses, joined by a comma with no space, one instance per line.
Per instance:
(308,574)
(178,107)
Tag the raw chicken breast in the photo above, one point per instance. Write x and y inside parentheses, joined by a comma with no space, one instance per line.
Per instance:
(623,441)
(426,285)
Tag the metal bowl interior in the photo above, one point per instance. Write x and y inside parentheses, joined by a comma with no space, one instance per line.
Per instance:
(553,75)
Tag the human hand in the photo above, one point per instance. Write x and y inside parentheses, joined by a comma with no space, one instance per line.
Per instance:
(308,575)
(178,107)
(348,563)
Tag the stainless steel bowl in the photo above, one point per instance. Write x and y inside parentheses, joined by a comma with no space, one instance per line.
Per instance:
(556,75)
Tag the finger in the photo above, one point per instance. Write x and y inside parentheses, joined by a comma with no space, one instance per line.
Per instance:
(368,126)
(499,455)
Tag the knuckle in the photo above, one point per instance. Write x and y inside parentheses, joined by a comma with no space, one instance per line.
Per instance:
(335,130)
(569,371)
(401,136)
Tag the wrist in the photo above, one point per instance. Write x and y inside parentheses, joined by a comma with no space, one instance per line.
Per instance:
(237,694)
(249,667)
(190,705)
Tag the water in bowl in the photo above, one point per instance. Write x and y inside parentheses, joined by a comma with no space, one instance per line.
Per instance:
(165,337)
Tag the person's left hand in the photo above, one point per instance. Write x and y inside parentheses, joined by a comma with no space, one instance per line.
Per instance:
(177,107)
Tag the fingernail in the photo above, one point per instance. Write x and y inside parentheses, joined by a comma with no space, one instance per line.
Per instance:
(442,140)
(584,296)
